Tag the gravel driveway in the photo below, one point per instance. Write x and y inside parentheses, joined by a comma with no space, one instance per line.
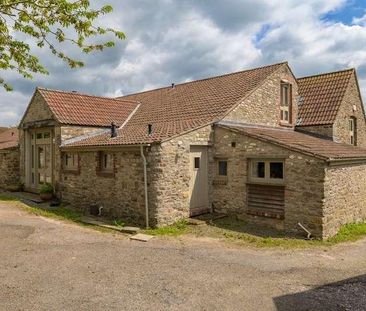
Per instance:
(51,265)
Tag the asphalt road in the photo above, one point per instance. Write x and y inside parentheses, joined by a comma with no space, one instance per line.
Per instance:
(51,265)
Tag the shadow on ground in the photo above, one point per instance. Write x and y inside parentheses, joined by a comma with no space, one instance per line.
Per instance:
(233,224)
(349,294)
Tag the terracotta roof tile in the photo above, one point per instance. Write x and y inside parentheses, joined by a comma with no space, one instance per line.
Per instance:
(321,97)
(82,109)
(302,143)
(9,138)
(174,110)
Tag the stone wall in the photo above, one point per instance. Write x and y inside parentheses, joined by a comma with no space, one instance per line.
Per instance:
(345,196)
(304,176)
(325,131)
(71,131)
(263,105)
(63,133)
(341,126)
(9,169)
(121,195)
(169,176)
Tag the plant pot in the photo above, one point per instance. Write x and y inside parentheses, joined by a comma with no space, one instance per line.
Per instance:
(46,196)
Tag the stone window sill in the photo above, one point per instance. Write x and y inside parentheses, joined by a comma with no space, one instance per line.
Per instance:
(72,172)
(286,124)
(219,181)
(265,214)
(105,174)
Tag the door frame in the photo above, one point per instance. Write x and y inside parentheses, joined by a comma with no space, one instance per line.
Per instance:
(203,151)
(31,160)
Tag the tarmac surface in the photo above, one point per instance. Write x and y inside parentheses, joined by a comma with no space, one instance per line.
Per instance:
(53,265)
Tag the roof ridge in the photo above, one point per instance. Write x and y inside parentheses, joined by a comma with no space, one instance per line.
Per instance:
(327,73)
(84,94)
(205,79)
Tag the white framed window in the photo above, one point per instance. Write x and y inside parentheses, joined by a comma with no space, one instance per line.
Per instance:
(266,171)
(352,131)
(286,102)
(70,161)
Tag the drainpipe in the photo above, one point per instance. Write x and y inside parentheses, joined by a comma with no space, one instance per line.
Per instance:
(145,186)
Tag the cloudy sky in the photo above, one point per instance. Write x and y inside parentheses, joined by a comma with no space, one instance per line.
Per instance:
(181,40)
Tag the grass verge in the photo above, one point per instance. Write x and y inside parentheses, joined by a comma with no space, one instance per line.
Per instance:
(231,229)
(176,229)
(239,232)
(59,213)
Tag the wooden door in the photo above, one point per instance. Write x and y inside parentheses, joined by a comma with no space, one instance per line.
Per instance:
(199,202)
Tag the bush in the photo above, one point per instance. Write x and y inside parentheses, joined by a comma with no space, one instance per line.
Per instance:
(46,188)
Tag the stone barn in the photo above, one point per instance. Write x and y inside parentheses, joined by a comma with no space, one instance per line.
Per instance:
(262,144)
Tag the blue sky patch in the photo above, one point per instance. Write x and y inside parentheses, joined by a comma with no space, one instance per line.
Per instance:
(345,15)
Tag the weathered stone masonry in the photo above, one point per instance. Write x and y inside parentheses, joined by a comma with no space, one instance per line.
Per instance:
(9,169)
(345,196)
(121,195)
(304,176)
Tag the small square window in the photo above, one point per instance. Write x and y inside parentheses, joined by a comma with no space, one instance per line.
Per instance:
(197,163)
(223,168)
(39,136)
(47,135)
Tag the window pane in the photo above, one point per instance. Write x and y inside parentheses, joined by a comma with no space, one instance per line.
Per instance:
(46,135)
(258,169)
(41,157)
(276,170)
(39,136)
(284,94)
(223,168)
(197,163)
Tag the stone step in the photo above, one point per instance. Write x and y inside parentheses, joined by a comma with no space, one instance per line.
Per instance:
(130,230)
(141,237)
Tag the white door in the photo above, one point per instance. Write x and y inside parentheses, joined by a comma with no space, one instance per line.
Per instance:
(199,181)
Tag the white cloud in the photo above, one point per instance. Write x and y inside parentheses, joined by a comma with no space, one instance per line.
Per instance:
(361,21)
(177,41)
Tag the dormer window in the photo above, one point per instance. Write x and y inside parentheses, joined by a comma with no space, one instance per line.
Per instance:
(286,102)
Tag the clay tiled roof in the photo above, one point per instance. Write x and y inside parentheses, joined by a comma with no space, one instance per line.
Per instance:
(9,138)
(321,97)
(82,109)
(175,110)
(321,148)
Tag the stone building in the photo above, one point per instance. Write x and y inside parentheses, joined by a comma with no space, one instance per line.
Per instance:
(260,144)
(9,158)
